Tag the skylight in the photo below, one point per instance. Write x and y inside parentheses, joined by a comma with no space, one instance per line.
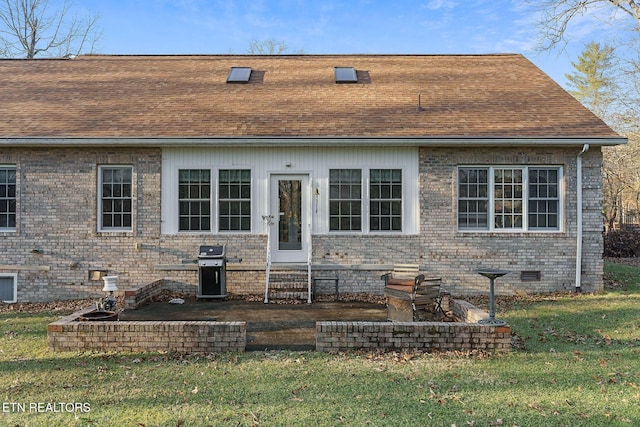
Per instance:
(239,75)
(345,75)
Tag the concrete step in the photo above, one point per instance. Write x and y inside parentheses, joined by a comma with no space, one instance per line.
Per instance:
(288,285)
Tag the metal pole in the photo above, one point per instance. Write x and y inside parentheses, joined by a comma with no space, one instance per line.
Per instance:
(492,309)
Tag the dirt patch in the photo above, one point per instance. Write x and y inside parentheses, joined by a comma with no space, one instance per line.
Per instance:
(480,301)
(57,307)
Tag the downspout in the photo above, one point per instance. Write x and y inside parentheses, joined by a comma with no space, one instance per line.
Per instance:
(585,148)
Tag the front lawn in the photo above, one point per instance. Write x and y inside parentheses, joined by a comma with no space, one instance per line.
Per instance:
(577,363)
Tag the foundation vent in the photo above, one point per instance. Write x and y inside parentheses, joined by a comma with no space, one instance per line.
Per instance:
(530,276)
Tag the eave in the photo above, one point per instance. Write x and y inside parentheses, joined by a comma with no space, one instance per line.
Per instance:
(273,141)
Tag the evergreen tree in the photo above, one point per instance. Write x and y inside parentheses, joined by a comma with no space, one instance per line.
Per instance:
(592,82)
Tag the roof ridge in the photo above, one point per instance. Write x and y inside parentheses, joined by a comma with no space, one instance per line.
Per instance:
(294,55)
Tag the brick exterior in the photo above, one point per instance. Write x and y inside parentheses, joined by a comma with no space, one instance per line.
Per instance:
(69,334)
(57,243)
(334,337)
(464,335)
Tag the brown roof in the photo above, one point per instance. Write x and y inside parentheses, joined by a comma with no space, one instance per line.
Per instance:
(288,96)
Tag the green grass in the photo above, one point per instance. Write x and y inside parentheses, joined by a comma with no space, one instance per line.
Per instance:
(580,366)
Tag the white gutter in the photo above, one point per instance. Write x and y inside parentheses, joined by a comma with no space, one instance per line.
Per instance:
(585,148)
(287,141)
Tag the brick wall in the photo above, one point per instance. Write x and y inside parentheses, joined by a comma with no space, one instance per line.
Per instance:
(68,334)
(57,242)
(466,335)
(454,255)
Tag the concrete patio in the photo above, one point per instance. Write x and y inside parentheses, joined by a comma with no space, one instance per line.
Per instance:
(269,326)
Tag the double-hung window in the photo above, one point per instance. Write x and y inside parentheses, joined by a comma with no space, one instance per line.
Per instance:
(197,195)
(234,199)
(345,199)
(385,200)
(7,198)
(116,198)
(509,198)
(194,199)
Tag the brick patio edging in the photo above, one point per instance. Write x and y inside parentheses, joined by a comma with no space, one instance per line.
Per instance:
(69,334)
(333,337)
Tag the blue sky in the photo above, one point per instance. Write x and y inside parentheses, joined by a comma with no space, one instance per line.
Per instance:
(323,27)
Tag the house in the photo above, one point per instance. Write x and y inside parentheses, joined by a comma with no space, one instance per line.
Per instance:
(125,165)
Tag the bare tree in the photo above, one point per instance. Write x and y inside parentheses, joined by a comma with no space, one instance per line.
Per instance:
(30,28)
(556,15)
(269,47)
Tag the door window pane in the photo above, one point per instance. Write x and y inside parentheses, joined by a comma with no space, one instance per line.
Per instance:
(290,214)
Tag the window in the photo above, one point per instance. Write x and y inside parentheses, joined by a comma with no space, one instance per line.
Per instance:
(116,198)
(473,198)
(7,198)
(194,199)
(385,199)
(8,288)
(239,75)
(508,201)
(345,199)
(509,198)
(345,75)
(234,200)
(544,203)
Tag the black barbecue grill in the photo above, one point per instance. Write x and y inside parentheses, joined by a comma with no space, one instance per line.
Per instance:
(212,272)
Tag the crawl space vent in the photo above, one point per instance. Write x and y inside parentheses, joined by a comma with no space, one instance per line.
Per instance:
(530,276)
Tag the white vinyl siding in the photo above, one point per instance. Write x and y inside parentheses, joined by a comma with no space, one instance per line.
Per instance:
(314,162)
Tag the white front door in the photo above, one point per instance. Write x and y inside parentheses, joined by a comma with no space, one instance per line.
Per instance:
(288,203)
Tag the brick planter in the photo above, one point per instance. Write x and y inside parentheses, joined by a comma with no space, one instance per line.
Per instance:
(68,334)
(332,337)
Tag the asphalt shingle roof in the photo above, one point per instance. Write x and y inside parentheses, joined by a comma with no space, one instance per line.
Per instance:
(98,96)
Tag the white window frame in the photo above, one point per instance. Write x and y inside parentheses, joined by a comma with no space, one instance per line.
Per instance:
(200,200)
(13,276)
(214,207)
(525,199)
(339,199)
(390,200)
(240,199)
(14,228)
(101,227)
(365,202)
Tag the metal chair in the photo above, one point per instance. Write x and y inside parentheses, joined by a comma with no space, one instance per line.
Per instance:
(427,300)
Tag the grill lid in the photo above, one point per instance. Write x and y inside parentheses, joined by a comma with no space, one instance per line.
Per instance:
(211,251)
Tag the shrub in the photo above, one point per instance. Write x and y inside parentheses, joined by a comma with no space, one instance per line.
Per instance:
(622,243)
